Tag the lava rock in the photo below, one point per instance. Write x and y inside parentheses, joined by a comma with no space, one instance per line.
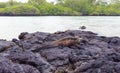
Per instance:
(94,54)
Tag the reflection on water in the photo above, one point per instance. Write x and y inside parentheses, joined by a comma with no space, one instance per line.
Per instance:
(11,27)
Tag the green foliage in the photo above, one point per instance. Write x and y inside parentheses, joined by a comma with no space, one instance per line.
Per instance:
(11,3)
(20,10)
(2,5)
(63,7)
(82,6)
(36,2)
(91,7)
(99,10)
(112,9)
(50,9)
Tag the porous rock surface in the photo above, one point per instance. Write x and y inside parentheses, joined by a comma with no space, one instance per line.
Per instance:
(94,54)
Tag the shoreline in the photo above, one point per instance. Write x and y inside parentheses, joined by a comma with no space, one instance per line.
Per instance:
(58,15)
(93,53)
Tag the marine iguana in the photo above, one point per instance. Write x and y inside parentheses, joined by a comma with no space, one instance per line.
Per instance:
(66,41)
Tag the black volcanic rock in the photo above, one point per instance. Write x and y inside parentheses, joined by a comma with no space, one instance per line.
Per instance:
(94,54)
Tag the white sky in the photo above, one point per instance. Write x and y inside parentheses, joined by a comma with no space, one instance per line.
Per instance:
(23,0)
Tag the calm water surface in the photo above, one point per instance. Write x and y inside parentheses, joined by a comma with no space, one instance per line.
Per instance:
(11,27)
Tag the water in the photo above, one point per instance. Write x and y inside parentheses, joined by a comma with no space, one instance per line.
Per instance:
(11,27)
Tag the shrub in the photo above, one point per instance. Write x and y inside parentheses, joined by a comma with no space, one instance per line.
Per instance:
(2,5)
(56,10)
(19,10)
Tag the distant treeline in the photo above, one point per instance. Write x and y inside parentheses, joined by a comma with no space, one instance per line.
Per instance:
(62,8)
